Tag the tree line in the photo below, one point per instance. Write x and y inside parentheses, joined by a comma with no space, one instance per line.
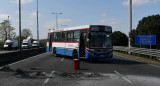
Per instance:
(8,31)
(147,26)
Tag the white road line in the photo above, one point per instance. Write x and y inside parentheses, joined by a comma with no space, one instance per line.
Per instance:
(127,80)
(117,72)
(46,81)
(123,77)
(154,65)
(62,59)
(22,60)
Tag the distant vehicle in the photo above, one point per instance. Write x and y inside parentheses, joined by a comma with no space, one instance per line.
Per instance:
(26,43)
(35,44)
(89,42)
(11,44)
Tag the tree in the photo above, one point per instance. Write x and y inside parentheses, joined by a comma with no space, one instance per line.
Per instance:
(6,30)
(26,33)
(148,26)
(17,38)
(120,39)
(132,35)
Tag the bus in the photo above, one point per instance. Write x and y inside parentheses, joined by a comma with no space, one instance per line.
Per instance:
(88,42)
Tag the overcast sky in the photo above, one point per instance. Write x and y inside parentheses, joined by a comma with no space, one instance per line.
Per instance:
(77,12)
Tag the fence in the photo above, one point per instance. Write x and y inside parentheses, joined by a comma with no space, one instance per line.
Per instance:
(149,53)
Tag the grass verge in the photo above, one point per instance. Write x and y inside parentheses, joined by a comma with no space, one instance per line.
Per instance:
(139,57)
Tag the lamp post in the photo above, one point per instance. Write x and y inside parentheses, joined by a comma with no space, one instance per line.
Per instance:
(37,24)
(20,49)
(64,26)
(130,23)
(56,19)
(8,27)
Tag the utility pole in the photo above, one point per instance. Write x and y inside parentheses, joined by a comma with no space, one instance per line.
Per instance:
(20,49)
(8,28)
(130,23)
(56,19)
(37,24)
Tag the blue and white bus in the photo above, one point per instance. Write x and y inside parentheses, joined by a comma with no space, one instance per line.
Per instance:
(89,42)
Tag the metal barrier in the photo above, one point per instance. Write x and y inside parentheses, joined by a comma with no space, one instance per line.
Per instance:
(6,58)
(150,53)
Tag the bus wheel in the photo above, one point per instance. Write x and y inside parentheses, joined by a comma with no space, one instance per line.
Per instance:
(75,54)
(55,52)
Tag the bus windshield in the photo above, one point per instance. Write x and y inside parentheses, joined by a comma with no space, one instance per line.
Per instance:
(100,40)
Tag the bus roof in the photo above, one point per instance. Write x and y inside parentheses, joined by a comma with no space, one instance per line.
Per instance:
(72,28)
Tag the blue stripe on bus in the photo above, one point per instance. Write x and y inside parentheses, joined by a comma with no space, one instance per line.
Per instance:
(89,56)
(47,49)
(67,52)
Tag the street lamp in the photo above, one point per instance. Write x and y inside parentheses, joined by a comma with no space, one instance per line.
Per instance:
(56,19)
(20,49)
(9,27)
(130,23)
(64,26)
(37,24)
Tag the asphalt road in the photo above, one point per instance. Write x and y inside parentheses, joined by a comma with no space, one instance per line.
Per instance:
(47,70)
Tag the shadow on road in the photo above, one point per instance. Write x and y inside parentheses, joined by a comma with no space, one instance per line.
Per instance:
(118,61)
(108,61)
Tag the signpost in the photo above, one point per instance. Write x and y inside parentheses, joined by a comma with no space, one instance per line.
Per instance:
(146,39)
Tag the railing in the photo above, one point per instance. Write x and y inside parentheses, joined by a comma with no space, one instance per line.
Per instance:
(150,53)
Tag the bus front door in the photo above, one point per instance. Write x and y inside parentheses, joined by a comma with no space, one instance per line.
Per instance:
(50,43)
(82,44)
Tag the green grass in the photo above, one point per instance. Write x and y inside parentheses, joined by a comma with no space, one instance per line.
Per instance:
(139,57)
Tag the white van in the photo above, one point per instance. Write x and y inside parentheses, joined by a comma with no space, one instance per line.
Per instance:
(26,43)
(35,44)
(11,44)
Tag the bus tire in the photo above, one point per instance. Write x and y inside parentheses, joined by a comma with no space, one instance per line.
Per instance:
(75,54)
(55,52)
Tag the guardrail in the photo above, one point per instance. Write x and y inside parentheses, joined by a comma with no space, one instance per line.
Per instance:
(10,57)
(149,53)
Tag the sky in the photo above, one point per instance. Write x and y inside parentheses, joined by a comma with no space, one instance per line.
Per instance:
(113,13)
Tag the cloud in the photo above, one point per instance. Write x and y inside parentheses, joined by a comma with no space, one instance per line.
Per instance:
(139,2)
(4,16)
(111,21)
(61,21)
(34,15)
(52,24)
(22,1)
(104,15)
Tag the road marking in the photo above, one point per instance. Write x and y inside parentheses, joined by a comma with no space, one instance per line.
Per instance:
(154,65)
(46,81)
(127,80)
(117,72)
(22,60)
(123,77)
(62,59)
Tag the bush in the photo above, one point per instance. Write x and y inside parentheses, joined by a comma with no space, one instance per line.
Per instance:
(1,45)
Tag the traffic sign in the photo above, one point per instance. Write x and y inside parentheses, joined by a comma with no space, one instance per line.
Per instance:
(146,39)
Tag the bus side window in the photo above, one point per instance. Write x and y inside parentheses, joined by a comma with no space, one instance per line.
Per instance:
(55,37)
(52,37)
(59,37)
(70,36)
(76,36)
(64,36)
